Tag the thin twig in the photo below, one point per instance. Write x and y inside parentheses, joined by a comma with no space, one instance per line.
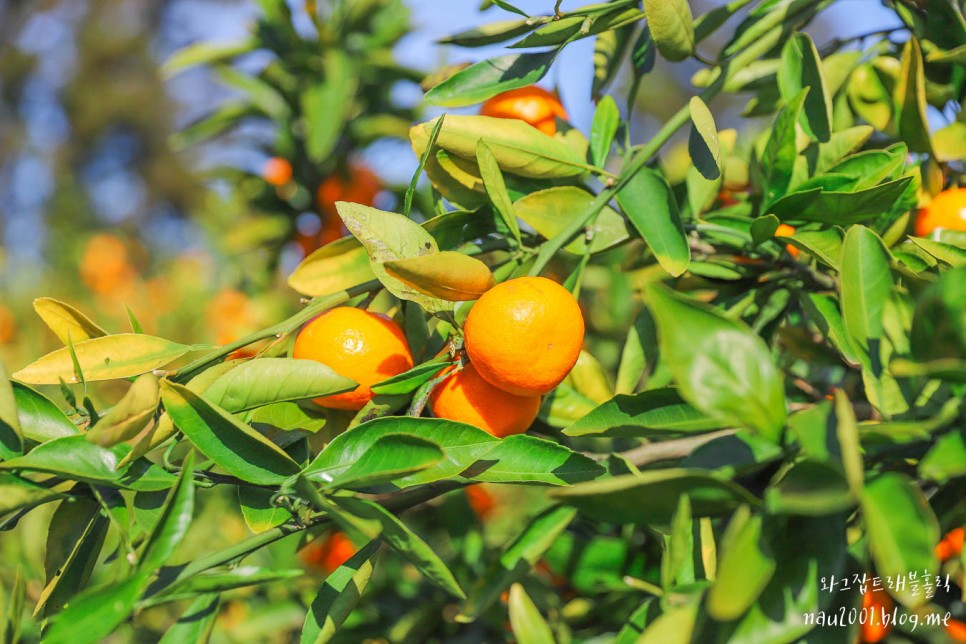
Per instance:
(669,450)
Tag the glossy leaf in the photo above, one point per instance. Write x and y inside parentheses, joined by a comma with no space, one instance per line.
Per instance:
(387,237)
(130,415)
(195,623)
(492,33)
(722,367)
(388,458)
(40,419)
(11,435)
(650,205)
(446,275)
(490,77)
(910,98)
(74,541)
(654,413)
(528,459)
(672,27)
(234,446)
(65,321)
(106,358)
(495,188)
(703,143)
(902,531)
(743,572)
(259,510)
(71,456)
(606,121)
(801,67)
(255,383)
(173,522)
(334,267)
(20,494)
(865,285)
(778,159)
(549,212)
(94,615)
(338,596)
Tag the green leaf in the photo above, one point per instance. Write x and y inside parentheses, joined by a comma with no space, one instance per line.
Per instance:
(677,561)
(648,202)
(672,27)
(528,459)
(490,77)
(40,419)
(648,414)
(410,381)
(550,211)
(65,321)
(675,626)
(387,237)
(259,510)
(94,615)
(810,488)
(263,381)
(865,284)
(824,245)
(405,542)
(71,456)
(554,33)
(462,444)
(703,141)
(722,367)
(19,494)
(11,436)
(204,53)
(229,116)
(517,559)
(195,623)
(610,49)
(234,446)
(607,119)
(910,99)
(835,207)
(801,67)
(130,415)
(651,497)
(335,267)
(528,625)
(518,147)
(778,159)
(106,358)
(743,571)
(949,143)
(74,541)
(173,522)
(847,433)
(328,104)
(902,531)
(447,275)
(947,253)
(338,596)
(388,458)
(496,188)
(493,33)
(218,581)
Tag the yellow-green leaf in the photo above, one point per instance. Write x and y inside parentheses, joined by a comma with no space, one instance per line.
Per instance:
(334,267)
(910,99)
(130,415)
(66,321)
(447,275)
(672,27)
(106,358)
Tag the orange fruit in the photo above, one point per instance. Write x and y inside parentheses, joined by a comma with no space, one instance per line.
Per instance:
(358,185)
(951,545)
(524,335)
(874,629)
(956,630)
(357,344)
(947,211)
(533,105)
(328,554)
(784,230)
(277,171)
(105,265)
(8,326)
(467,398)
(480,501)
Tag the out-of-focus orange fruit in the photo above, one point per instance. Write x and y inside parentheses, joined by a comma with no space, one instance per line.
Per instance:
(277,171)
(784,230)
(105,265)
(951,545)
(480,501)
(875,603)
(533,105)
(325,555)
(946,211)
(956,630)
(365,347)
(8,326)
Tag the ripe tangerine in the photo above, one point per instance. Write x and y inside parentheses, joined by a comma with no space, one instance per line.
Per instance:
(947,211)
(366,347)
(875,603)
(525,335)
(277,171)
(532,104)
(467,398)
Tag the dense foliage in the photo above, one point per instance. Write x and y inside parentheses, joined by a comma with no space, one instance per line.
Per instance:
(759,412)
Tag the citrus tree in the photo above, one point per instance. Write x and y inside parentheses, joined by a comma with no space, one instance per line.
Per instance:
(580,399)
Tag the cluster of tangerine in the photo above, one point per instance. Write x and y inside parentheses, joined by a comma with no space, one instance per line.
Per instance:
(522,338)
